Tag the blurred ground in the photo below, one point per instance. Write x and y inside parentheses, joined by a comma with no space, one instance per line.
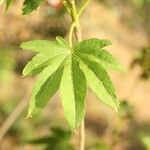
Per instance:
(99,20)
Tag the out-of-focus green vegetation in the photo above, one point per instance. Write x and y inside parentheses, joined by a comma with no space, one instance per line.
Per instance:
(7,65)
(98,144)
(146,141)
(58,140)
(140,3)
(24,130)
(143,60)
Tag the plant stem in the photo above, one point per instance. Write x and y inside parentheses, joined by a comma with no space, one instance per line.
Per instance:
(15,114)
(82,136)
(75,19)
(71,34)
(75,22)
(75,27)
(83,7)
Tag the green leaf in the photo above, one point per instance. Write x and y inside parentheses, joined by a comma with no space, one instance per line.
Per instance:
(73,92)
(104,58)
(48,50)
(91,44)
(146,141)
(30,5)
(107,60)
(43,46)
(93,49)
(46,86)
(99,82)
(70,69)
(39,62)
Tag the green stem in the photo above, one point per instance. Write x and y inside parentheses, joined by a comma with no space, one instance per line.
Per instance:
(71,34)
(82,136)
(84,5)
(77,32)
(75,20)
(116,134)
(76,29)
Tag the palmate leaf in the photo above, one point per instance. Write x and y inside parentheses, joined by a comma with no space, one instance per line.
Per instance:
(71,69)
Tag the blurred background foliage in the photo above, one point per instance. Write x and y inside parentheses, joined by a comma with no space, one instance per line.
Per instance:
(7,65)
(127,24)
(58,140)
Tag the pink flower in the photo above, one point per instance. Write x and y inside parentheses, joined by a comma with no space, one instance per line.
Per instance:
(55,3)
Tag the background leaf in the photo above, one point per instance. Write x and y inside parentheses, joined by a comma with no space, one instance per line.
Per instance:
(58,140)
(8,3)
(30,5)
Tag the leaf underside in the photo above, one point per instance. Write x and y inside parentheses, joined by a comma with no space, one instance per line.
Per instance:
(71,69)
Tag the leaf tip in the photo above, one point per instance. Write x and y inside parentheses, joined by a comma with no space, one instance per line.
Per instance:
(117,106)
(58,37)
(28,117)
(23,76)
(22,45)
(24,73)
